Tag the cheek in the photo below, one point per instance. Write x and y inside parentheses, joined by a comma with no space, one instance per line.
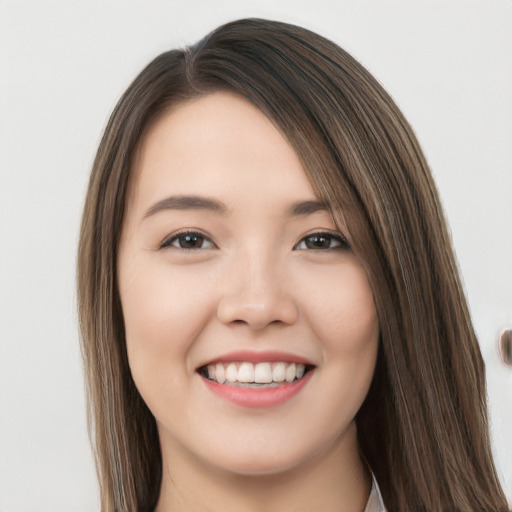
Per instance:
(163,312)
(345,322)
(343,314)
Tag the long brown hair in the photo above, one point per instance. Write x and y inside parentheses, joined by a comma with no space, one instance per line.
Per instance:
(423,426)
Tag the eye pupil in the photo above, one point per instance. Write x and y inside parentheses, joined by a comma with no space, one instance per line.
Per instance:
(317,242)
(191,241)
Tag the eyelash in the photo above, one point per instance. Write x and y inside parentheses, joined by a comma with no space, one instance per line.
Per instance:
(336,237)
(168,242)
(322,235)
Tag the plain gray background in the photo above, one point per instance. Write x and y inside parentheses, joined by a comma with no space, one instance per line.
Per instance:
(63,65)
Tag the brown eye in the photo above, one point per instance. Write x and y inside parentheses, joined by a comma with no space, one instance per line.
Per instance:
(188,241)
(322,242)
(318,242)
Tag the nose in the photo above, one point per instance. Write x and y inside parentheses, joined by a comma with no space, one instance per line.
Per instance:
(257,294)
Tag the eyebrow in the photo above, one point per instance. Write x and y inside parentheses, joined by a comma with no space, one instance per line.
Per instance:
(186,202)
(307,207)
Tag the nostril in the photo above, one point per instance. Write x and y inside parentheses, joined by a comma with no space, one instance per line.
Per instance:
(271,310)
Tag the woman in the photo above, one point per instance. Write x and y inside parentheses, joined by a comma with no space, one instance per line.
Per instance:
(270,306)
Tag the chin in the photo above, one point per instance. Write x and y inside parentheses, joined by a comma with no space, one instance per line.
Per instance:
(260,467)
(261,464)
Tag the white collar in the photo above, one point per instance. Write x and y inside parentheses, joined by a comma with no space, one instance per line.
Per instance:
(375,502)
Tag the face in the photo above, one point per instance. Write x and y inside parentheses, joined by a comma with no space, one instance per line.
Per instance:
(250,326)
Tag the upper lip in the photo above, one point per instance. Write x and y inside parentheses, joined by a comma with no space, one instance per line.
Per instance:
(250,356)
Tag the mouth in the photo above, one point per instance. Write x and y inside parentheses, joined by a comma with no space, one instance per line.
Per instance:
(245,374)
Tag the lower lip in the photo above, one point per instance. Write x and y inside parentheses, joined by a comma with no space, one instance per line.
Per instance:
(258,397)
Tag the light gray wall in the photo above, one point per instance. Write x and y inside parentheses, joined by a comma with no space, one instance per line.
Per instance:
(63,64)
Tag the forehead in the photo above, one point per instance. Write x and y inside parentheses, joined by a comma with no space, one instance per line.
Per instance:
(215,144)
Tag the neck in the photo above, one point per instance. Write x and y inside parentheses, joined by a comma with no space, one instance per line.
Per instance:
(334,480)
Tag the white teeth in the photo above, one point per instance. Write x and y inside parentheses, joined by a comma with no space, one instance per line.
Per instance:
(232,373)
(291,371)
(211,371)
(247,374)
(279,373)
(262,373)
(220,373)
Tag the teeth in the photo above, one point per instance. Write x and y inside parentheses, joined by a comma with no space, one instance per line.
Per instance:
(212,371)
(279,373)
(262,373)
(291,371)
(246,373)
(232,373)
(220,373)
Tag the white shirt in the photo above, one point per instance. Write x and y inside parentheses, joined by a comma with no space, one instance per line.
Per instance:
(375,503)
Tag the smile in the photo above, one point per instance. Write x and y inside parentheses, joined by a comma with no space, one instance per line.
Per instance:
(260,375)
(256,380)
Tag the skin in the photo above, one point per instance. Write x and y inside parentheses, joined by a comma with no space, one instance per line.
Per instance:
(252,283)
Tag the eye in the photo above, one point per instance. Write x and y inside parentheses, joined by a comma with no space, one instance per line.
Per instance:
(322,242)
(188,240)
